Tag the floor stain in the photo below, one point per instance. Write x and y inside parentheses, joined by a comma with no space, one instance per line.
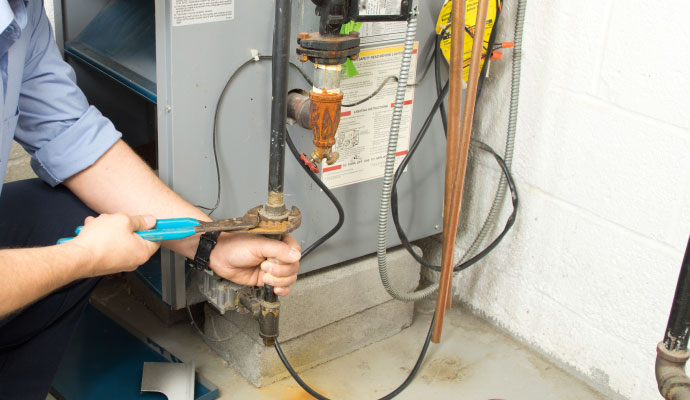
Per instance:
(292,393)
(542,367)
(445,370)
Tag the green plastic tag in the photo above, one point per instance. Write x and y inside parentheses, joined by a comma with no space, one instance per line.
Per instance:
(350,69)
(351,26)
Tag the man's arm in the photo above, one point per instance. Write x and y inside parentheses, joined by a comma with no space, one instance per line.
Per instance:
(121,182)
(74,144)
(106,245)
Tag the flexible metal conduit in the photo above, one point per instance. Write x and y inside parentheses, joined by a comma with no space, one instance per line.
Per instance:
(389,170)
(499,198)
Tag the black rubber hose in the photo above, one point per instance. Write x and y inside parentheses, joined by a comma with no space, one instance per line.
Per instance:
(394,194)
(216,118)
(437,78)
(489,50)
(389,396)
(320,184)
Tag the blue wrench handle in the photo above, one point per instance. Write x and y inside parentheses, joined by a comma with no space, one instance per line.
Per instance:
(166,229)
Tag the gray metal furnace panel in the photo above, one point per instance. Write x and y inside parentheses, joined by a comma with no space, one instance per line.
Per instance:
(194,63)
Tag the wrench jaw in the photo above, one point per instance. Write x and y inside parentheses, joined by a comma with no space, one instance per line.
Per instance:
(255,222)
(292,221)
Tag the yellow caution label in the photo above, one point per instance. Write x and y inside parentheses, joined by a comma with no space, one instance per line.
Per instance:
(443,27)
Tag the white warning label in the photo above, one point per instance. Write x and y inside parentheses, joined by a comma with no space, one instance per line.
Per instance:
(377,32)
(190,12)
(362,137)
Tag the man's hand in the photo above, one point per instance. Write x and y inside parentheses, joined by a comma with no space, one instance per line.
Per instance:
(255,260)
(120,180)
(111,244)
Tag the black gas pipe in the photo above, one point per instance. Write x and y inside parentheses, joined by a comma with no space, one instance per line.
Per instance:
(280,65)
(672,352)
(275,209)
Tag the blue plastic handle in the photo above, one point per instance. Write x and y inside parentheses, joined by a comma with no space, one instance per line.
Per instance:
(176,223)
(166,229)
(168,223)
(158,235)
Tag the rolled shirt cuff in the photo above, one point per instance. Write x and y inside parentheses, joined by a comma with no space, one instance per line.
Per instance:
(75,149)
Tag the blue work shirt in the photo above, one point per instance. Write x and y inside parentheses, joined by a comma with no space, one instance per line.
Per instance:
(42,107)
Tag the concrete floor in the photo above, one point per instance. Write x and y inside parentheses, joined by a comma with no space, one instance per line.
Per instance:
(474,361)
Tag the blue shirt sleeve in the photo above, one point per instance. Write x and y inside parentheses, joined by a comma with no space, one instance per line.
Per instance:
(63,134)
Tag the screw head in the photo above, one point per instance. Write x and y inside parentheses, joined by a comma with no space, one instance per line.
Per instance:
(437,227)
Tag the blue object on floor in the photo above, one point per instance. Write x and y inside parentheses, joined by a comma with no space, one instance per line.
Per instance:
(105,361)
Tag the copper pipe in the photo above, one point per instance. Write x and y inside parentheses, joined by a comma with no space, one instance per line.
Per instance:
(458,147)
(452,150)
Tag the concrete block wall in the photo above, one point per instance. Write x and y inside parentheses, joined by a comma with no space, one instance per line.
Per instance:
(602,164)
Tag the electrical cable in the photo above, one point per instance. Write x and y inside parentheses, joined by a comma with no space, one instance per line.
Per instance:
(389,396)
(328,192)
(216,116)
(427,66)
(437,79)
(394,195)
(490,45)
(223,93)
(465,262)
(374,93)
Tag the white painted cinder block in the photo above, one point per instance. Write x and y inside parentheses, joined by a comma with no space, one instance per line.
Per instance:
(602,158)
(645,65)
(610,162)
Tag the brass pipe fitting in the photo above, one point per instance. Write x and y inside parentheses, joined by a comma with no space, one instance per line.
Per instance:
(274,209)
